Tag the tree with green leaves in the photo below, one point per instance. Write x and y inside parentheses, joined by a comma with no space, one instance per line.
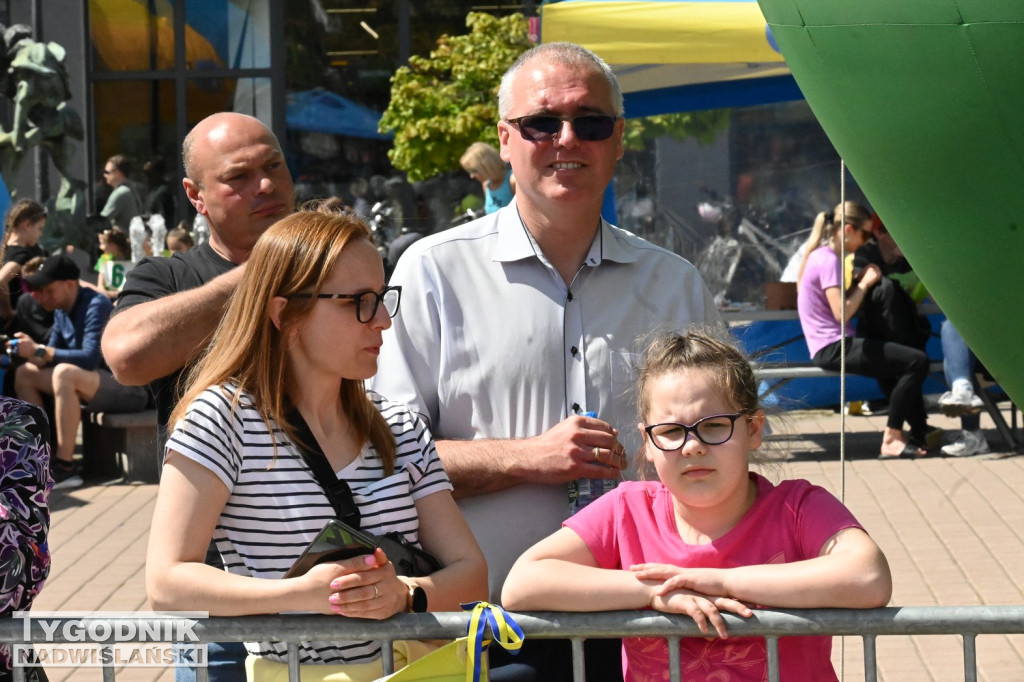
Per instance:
(443,103)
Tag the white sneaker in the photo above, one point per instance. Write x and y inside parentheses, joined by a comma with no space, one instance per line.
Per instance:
(967,444)
(960,401)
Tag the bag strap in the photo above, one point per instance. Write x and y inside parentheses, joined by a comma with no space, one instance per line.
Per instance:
(337,491)
(504,629)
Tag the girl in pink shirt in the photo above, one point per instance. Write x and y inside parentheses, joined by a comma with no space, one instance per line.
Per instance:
(709,535)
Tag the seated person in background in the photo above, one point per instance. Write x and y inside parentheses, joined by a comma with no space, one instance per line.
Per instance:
(23,226)
(821,288)
(70,367)
(114,262)
(179,240)
(958,364)
(24,512)
(30,317)
(890,313)
(890,310)
(301,334)
(484,164)
(708,535)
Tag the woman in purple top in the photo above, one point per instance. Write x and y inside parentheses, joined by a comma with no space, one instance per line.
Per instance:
(900,370)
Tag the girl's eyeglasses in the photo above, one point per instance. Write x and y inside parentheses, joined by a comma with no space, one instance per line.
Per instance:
(711,430)
(366,303)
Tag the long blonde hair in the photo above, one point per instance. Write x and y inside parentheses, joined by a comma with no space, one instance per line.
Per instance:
(827,223)
(294,255)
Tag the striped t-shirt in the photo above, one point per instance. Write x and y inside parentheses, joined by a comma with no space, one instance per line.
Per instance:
(276,507)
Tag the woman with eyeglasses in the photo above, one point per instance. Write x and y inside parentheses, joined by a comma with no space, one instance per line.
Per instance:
(709,535)
(484,164)
(301,334)
(822,284)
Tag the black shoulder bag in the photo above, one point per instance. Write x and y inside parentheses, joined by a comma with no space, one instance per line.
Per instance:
(408,559)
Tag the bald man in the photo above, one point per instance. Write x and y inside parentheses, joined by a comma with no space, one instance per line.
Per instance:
(235,176)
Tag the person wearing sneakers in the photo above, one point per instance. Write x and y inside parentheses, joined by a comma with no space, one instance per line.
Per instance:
(821,287)
(70,367)
(960,401)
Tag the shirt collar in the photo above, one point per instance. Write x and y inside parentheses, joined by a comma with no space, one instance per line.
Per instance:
(515,243)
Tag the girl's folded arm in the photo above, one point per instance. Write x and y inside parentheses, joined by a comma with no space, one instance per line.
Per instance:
(560,573)
(850,572)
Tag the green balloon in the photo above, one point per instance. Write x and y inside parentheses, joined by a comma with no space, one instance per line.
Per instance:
(922,99)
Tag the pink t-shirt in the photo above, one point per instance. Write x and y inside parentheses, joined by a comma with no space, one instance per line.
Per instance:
(635,523)
(819,324)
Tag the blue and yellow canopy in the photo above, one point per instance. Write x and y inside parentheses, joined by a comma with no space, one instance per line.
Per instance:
(678,55)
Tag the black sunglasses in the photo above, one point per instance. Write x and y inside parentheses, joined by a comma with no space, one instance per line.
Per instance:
(712,430)
(541,128)
(366,302)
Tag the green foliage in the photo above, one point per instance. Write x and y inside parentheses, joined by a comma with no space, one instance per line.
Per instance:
(442,104)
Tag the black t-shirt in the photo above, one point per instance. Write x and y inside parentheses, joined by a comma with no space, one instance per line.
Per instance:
(156,277)
(29,316)
(20,255)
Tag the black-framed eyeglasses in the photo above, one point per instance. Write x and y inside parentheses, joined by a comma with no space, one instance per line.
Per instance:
(366,303)
(542,127)
(712,430)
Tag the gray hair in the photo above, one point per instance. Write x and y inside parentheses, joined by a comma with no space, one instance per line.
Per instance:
(565,54)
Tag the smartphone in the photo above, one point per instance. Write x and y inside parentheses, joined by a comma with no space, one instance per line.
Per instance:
(334,542)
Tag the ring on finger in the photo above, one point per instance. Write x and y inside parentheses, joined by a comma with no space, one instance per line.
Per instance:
(376,592)
(597,454)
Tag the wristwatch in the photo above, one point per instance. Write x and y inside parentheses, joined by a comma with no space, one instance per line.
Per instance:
(417,601)
(40,352)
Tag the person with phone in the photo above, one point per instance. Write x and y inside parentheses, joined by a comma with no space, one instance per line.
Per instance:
(301,334)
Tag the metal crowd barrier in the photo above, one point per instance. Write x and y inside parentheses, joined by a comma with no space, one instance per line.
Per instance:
(967,621)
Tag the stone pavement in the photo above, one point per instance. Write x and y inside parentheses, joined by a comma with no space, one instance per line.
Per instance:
(952,529)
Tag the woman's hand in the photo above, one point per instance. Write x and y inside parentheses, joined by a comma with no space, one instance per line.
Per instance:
(364,587)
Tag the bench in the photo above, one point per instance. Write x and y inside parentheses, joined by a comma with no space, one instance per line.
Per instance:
(780,372)
(121,445)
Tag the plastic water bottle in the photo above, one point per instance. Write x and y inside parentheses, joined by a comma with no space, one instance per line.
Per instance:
(583,491)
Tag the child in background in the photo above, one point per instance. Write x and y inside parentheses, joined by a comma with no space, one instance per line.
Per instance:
(708,535)
(114,262)
(179,240)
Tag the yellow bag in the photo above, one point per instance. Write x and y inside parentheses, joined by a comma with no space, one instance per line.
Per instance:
(465,660)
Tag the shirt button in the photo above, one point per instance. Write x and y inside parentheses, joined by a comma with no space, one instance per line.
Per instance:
(574,350)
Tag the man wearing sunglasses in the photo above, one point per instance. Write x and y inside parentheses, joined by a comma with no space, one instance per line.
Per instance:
(516,324)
